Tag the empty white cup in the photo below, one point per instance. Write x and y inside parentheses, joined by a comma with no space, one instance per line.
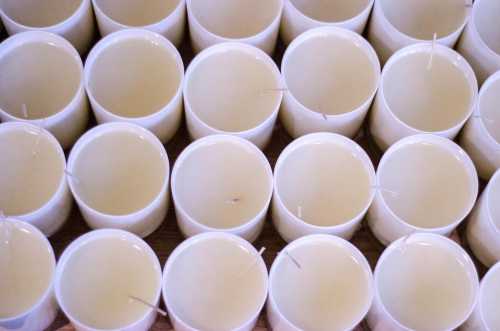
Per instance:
(395,24)
(423,89)
(247,21)
(425,183)
(330,77)
(323,183)
(222,183)
(119,176)
(136,76)
(71,19)
(42,83)
(232,88)
(166,17)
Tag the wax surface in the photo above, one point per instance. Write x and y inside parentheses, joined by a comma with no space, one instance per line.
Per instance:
(487,23)
(134,78)
(137,12)
(39,13)
(330,10)
(99,278)
(490,109)
(490,300)
(38,80)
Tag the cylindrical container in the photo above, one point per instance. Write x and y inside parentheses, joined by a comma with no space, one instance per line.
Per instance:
(119,176)
(165,17)
(395,24)
(27,269)
(481,135)
(330,77)
(33,187)
(71,19)
(222,183)
(423,282)
(302,15)
(319,282)
(42,83)
(232,88)
(104,280)
(323,183)
(215,281)
(136,76)
(247,21)
(424,89)
(425,183)
(480,42)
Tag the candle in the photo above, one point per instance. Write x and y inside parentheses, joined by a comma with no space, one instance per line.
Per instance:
(248,21)
(136,76)
(33,187)
(423,282)
(319,282)
(27,61)
(72,19)
(214,281)
(395,24)
(119,173)
(222,183)
(232,88)
(336,180)
(302,15)
(331,76)
(483,229)
(425,88)
(99,275)
(481,137)
(426,184)
(27,265)
(480,42)
(164,17)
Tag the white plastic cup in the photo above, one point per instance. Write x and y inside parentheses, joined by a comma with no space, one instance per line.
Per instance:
(33,187)
(302,15)
(247,21)
(395,24)
(330,77)
(136,76)
(323,183)
(42,83)
(420,94)
(479,43)
(167,18)
(425,183)
(222,183)
(71,19)
(235,89)
(119,176)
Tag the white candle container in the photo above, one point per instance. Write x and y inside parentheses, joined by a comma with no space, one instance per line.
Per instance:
(27,268)
(331,76)
(98,277)
(222,183)
(119,176)
(71,19)
(323,183)
(480,43)
(302,15)
(216,21)
(167,18)
(319,282)
(136,76)
(33,186)
(481,137)
(425,183)
(214,281)
(395,24)
(42,83)
(483,229)
(423,282)
(232,88)
(418,94)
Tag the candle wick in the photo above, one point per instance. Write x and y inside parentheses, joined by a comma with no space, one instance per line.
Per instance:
(39,134)
(431,59)
(72,176)
(293,259)
(254,262)
(157,309)
(299,211)
(24,110)
(379,188)
(325,117)
(233,201)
